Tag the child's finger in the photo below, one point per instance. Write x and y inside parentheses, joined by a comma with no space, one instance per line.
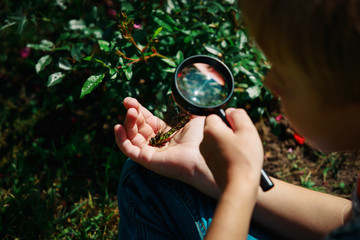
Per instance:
(124,143)
(130,102)
(130,123)
(215,126)
(239,119)
(148,117)
(145,127)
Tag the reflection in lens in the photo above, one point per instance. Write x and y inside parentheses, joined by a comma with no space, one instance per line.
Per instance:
(202,85)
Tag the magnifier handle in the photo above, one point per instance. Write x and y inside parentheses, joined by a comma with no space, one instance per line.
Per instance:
(221,114)
(265,182)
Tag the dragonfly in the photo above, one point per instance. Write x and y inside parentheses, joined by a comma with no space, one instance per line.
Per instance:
(161,137)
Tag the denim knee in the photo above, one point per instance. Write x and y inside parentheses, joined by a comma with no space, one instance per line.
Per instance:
(155,207)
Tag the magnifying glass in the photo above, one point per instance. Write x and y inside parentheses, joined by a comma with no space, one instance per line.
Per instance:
(203,85)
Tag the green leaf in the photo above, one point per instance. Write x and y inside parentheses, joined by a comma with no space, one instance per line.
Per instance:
(61,4)
(168,70)
(45,45)
(75,24)
(213,7)
(169,61)
(179,57)
(88,58)
(213,50)
(92,59)
(42,63)
(253,92)
(164,20)
(55,78)
(157,32)
(104,45)
(64,64)
(8,24)
(128,72)
(62,48)
(76,54)
(14,18)
(91,83)
(113,73)
(21,23)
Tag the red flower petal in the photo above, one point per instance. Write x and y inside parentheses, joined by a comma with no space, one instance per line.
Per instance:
(278,118)
(299,139)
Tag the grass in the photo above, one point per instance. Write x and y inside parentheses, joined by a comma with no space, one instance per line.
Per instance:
(58,176)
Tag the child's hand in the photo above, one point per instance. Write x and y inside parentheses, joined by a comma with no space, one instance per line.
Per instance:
(180,159)
(234,155)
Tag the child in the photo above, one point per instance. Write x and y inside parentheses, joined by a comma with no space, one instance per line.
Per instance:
(314,50)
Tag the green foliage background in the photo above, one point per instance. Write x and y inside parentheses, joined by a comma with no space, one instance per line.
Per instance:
(59,102)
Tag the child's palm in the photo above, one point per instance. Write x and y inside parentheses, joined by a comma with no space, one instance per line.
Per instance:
(180,158)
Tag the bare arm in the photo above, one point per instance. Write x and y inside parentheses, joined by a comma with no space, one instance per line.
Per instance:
(234,155)
(298,213)
(233,213)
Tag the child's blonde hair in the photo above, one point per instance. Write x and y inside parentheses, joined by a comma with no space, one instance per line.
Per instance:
(319,38)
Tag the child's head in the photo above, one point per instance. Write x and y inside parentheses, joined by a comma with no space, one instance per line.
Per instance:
(314,49)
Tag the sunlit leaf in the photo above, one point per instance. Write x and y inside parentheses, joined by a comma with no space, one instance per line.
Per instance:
(169,70)
(45,45)
(113,73)
(55,78)
(179,57)
(64,64)
(128,72)
(169,62)
(213,50)
(91,83)
(253,92)
(157,32)
(21,23)
(75,24)
(42,63)
(104,45)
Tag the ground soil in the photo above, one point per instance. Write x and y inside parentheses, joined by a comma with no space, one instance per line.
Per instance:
(286,159)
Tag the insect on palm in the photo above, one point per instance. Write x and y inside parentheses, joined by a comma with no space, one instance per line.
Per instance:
(165,134)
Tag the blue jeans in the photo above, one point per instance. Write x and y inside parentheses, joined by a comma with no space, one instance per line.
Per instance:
(155,207)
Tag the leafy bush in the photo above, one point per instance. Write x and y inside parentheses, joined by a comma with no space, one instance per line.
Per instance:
(65,67)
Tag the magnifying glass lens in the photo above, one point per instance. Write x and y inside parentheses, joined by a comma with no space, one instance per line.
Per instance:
(202,84)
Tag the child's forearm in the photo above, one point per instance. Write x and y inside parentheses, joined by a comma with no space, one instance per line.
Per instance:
(233,213)
(299,213)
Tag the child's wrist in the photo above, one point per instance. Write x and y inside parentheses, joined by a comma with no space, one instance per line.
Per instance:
(243,185)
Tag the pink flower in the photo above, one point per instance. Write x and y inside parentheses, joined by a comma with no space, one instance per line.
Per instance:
(278,118)
(25,52)
(111,12)
(299,139)
(137,25)
(290,150)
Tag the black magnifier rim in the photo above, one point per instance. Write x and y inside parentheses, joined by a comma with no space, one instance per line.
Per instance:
(194,108)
